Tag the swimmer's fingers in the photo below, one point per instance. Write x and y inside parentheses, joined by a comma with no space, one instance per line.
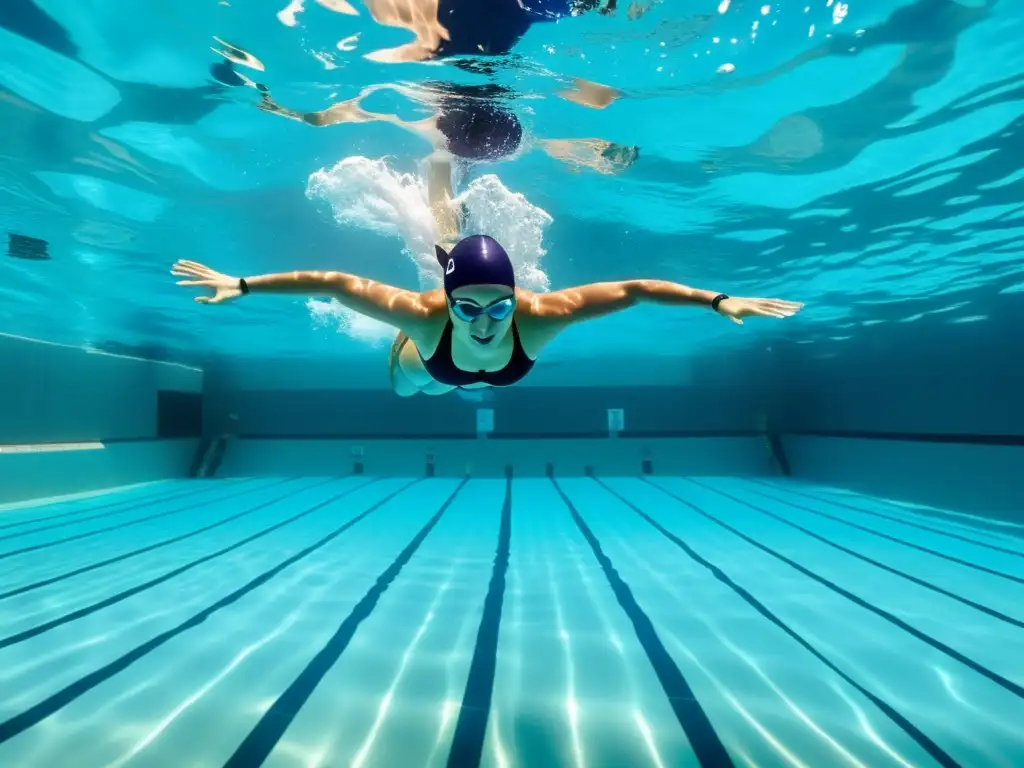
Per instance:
(202,283)
(774,307)
(220,297)
(767,310)
(737,308)
(186,268)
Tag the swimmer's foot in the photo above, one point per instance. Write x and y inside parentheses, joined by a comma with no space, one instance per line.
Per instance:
(620,156)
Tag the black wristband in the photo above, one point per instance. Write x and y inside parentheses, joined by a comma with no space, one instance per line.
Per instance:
(242,285)
(718,300)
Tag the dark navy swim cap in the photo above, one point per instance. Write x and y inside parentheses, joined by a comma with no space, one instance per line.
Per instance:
(475,260)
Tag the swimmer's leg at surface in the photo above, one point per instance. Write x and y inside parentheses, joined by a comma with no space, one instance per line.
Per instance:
(419,17)
(588,93)
(406,371)
(605,157)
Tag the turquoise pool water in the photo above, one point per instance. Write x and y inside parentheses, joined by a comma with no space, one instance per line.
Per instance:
(579,621)
(223,600)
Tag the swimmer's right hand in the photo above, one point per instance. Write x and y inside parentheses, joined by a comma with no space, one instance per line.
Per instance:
(224,287)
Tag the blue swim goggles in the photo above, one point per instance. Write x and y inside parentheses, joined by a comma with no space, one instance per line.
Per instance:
(470,310)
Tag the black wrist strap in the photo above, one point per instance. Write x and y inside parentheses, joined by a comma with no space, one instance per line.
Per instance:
(242,285)
(718,300)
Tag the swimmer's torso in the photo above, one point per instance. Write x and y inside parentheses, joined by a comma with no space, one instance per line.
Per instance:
(436,361)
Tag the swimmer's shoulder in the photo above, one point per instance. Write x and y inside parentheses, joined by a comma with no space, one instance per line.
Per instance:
(539,309)
(434,301)
(434,316)
(539,318)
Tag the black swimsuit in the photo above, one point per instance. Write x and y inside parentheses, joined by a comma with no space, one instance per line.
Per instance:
(443,370)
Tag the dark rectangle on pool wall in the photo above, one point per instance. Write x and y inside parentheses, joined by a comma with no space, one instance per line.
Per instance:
(179,414)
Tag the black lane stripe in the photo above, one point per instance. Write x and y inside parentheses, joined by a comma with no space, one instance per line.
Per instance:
(159,492)
(893,518)
(53,703)
(264,736)
(703,738)
(67,618)
(143,502)
(138,521)
(895,571)
(994,527)
(938,645)
(468,742)
(903,542)
(891,712)
(126,555)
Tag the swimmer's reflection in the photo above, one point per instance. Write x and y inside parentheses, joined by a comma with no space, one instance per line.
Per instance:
(471,123)
(826,137)
(444,28)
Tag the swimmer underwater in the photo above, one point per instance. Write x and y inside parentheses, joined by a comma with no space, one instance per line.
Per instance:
(479,330)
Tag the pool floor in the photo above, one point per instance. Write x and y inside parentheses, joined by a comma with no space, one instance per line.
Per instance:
(604,622)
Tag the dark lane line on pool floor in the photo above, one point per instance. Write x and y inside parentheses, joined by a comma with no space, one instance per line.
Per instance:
(882,515)
(261,740)
(703,738)
(878,564)
(902,722)
(67,618)
(160,494)
(146,519)
(993,527)
(896,539)
(968,662)
(148,502)
(53,703)
(142,550)
(471,729)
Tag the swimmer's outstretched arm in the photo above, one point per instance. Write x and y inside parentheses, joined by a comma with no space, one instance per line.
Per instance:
(409,311)
(559,309)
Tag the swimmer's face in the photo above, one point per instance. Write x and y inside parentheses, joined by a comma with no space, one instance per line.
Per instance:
(482,312)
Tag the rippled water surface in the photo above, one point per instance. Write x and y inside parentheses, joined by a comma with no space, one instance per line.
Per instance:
(862,157)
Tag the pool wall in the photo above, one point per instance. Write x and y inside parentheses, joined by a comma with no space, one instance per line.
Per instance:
(892,411)
(489,457)
(73,420)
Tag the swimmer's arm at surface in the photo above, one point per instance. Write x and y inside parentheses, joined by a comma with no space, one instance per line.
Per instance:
(409,311)
(551,313)
(587,302)
(386,303)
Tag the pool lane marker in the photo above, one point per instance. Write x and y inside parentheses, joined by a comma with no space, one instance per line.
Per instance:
(55,702)
(938,645)
(897,540)
(135,552)
(109,513)
(470,730)
(67,618)
(265,735)
(142,499)
(137,521)
(895,571)
(902,722)
(893,518)
(703,738)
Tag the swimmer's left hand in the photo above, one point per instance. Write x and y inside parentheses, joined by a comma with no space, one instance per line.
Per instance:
(736,308)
